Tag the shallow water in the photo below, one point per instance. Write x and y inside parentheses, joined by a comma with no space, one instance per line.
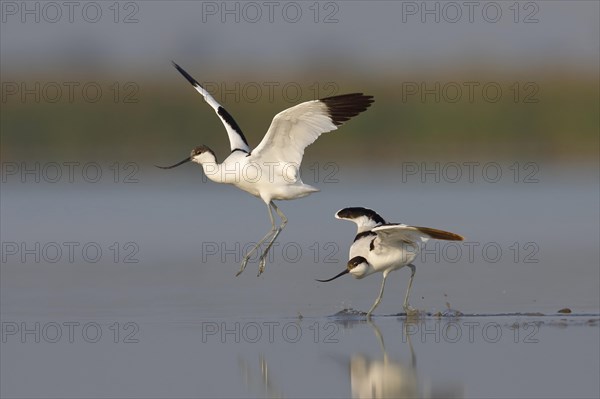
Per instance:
(312,357)
(170,318)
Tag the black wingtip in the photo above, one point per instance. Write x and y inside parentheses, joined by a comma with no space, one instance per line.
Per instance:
(343,107)
(186,75)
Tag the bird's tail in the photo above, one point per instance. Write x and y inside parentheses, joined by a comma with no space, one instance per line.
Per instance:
(310,189)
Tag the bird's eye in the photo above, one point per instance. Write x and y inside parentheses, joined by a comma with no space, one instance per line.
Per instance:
(354,262)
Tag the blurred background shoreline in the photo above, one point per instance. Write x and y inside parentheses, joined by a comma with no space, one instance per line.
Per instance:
(550,120)
(514,81)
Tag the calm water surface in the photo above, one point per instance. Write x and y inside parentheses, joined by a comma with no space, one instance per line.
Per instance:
(158,312)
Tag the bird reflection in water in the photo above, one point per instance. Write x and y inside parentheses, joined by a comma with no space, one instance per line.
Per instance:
(262,383)
(381,377)
(388,378)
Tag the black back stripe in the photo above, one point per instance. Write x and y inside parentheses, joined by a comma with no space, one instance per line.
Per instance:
(372,244)
(221,111)
(239,149)
(231,122)
(364,234)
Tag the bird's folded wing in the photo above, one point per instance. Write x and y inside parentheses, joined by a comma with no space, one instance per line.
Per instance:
(295,128)
(236,137)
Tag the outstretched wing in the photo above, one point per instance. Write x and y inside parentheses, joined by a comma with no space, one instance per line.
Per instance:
(236,137)
(397,234)
(295,128)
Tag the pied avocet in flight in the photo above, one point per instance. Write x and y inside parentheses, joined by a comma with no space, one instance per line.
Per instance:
(271,170)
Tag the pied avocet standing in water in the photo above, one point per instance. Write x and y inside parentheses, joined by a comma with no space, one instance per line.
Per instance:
(385,247)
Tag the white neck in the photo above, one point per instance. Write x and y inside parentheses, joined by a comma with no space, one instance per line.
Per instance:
(212,170)
(209,164)
(364,223)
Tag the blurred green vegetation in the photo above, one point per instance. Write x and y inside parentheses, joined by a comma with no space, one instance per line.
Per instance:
(166,121)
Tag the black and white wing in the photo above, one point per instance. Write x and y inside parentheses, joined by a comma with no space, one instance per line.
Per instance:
(236,137)
(295,128)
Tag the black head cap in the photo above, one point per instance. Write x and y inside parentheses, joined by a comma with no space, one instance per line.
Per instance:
(357,260)
(356,212)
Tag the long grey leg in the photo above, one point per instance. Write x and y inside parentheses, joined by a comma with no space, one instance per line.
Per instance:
(378,298)
(263,258)
(258,244)
(406,306)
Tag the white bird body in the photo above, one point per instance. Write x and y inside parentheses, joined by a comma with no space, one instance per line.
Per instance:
(381,255)
(385,247)
(278,181)
(272,170)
